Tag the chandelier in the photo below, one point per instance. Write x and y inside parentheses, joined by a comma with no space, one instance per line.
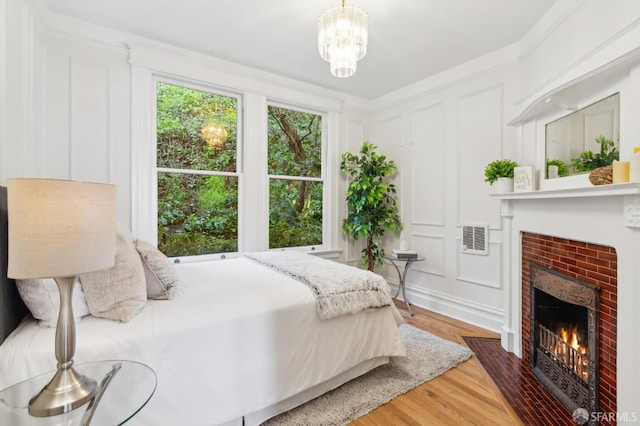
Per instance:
(214,135)
(342,38)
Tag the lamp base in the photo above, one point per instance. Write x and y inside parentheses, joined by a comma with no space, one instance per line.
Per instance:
(66,391)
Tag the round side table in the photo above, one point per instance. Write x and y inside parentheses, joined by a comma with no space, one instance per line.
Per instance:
(128,386)
(402,275)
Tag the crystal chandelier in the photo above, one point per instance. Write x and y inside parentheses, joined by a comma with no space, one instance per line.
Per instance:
(214,135)
(342,38)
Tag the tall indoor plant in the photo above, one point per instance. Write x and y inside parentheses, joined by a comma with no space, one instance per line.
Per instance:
(372,208)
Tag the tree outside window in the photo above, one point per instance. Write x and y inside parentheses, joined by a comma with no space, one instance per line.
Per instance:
(295,178)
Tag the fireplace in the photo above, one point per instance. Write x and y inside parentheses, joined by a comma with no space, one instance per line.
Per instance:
(557,273)
(564,342)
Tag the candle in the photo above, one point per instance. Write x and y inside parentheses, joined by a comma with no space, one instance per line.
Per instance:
(552,172)
(620,171)
(634,166)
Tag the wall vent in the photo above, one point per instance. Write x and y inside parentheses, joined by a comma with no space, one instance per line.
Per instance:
(474,239)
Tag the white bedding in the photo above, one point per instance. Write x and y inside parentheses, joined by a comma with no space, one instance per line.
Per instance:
(237,338)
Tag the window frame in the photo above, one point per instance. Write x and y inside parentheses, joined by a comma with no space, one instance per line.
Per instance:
(203,87)
(324,115)
(150,66)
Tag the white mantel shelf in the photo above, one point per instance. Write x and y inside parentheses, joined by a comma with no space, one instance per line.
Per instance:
(616,189)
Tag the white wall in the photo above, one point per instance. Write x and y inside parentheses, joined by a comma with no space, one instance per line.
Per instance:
(443,130)
(88,116)
(22,68)
(442,136)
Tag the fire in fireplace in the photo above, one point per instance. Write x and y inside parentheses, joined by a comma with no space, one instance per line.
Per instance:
(564,346)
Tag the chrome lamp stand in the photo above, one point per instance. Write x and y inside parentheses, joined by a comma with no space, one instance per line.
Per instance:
(67,390)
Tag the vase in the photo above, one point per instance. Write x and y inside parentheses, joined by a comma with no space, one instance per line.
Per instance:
(503,185)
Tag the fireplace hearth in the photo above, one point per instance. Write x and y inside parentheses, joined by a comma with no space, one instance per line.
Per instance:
(564,338)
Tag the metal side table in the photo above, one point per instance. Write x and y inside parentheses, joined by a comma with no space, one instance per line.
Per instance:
(402,275)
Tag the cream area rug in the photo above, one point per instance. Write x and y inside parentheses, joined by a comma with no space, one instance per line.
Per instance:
(428,356)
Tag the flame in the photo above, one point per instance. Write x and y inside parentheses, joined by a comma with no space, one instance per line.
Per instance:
(572,339)
(578,360)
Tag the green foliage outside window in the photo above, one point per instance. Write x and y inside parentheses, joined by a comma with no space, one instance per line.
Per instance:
(295,205)
(197,182)
(197,214)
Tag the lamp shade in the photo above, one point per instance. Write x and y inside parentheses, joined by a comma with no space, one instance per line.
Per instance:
(60,228)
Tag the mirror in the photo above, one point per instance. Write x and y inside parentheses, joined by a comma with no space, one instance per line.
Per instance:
(568,139)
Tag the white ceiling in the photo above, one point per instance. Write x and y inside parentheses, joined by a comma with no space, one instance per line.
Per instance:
(408,39)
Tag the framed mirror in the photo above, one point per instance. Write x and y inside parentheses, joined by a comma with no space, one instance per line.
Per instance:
(580,141)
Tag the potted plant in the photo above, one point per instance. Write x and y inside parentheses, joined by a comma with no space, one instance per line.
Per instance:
(588,161)
(500,171)
(562,169)
(371,205)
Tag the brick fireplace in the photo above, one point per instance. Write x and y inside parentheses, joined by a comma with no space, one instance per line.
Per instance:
(592,264)
(591,234)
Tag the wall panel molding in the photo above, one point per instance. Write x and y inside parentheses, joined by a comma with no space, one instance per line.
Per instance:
(479,142)
(89,121)
(479,263)
(3,92)
(389,131)
(428,183)
(433,248)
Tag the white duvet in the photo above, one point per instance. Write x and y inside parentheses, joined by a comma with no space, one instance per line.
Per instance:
(236,338)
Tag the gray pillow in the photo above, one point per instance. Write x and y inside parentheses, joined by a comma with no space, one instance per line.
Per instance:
(159,272)
(118,293)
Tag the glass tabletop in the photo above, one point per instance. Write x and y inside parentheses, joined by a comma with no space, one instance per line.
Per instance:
(403,259)
(131,386)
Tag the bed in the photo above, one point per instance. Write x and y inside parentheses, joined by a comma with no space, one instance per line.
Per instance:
(238,343)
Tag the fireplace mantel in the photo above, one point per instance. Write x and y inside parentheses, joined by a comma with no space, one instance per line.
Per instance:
(630,188)
(629,191)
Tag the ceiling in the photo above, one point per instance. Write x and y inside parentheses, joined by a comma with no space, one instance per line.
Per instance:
(408,39)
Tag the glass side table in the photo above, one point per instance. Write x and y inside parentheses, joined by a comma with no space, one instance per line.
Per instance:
(128,386)
(402,275)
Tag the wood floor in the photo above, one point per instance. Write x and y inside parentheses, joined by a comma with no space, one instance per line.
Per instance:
(464,395)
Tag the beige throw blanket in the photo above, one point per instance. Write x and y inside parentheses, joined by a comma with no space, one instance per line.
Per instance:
(339,289)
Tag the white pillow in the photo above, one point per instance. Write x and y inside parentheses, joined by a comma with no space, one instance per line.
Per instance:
(159,273)
(118,293)
(43,300)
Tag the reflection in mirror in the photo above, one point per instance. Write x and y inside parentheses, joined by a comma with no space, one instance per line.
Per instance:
(583,140)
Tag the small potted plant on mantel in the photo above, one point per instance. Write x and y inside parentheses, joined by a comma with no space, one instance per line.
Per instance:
(500,172)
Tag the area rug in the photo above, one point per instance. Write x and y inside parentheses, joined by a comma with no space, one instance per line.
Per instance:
(428,356)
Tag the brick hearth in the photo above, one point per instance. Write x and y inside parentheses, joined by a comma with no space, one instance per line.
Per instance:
(592,263)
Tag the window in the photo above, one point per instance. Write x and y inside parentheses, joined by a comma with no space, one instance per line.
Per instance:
(197,172)
(295,178)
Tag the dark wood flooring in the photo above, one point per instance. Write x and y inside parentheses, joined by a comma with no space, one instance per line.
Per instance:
(530,400)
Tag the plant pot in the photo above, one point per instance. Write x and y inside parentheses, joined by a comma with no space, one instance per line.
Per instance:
(503,185)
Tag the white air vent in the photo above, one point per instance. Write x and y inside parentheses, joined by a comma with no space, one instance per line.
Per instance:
(474,239)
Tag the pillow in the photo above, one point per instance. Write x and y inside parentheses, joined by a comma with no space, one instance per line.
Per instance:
(42,297)
(159,273)
(118,293)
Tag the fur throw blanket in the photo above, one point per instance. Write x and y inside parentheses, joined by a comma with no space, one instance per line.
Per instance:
(339,289)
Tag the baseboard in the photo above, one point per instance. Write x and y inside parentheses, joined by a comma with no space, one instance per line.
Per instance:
(464,310)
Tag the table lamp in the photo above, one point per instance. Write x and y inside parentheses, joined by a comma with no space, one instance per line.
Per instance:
(59,229)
